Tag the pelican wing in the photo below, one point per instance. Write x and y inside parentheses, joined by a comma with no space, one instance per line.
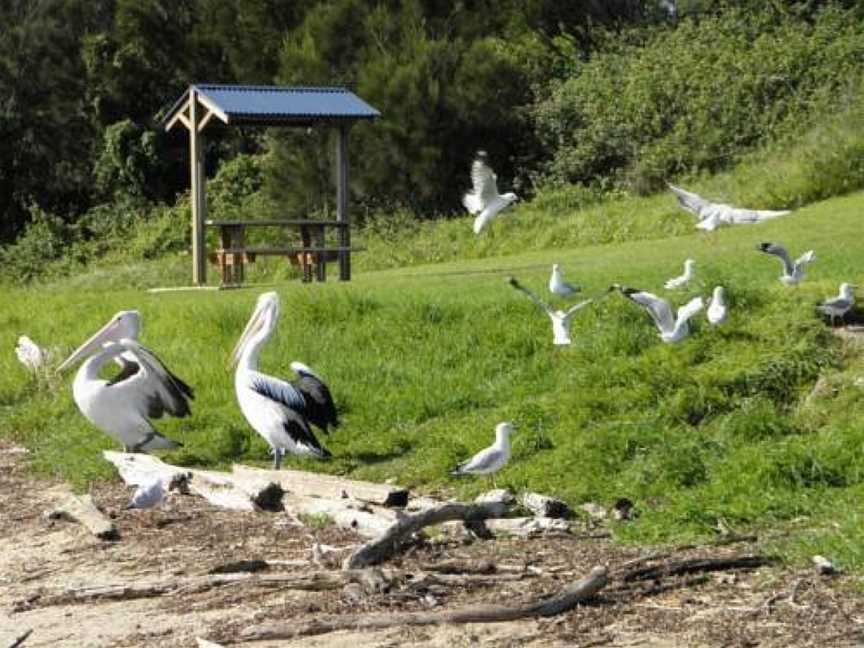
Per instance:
(320,409)
(279,391)
(298,429)
(533,297)
(167,392)
(659,309)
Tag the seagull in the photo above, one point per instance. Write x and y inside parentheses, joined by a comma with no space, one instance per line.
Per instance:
(711,215)
(491,459)
(841,304)
(320,410)
(274,408)
(121,406)
(792,272)
(560,319)
(484,199)
(126,325)
(29,354)
(717,310)
(672,329)
(151,493)
(557,285)
(680,280)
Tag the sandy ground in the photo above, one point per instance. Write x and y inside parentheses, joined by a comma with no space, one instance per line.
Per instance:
(770,606)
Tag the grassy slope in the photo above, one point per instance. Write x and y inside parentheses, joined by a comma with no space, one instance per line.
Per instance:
(426,360)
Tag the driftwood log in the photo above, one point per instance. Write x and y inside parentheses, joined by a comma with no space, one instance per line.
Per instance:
(21,638)
(694,565)
(367,520)
(545,506)
(567,599)
(81,509)
(389,542)
(521,527)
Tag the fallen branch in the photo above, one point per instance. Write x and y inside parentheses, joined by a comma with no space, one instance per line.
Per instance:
(461,567)
(578,592)
(398,534)
(695,565)
(81,509)
(20,639)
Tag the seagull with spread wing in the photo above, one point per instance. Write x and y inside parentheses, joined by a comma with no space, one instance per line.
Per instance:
(560,319)
(792,272)
(711,215)
(672,328)
(484,199)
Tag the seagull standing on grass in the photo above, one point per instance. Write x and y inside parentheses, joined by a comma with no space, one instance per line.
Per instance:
(276,409)
(682,279)
(672,329)
(29,354)
(711,215)
(717,310)
(484,199)
(792,272)
(560,319)
(491,459)
(557,285)
(841,304)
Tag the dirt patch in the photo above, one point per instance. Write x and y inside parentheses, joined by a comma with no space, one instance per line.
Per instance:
(769,606)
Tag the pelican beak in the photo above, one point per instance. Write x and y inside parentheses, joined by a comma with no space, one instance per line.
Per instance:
(105,334)
(255,323)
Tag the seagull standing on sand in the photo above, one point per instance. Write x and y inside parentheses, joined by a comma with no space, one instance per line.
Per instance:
(792,272)
(672,329)
(148,495)
(491,459)
(560,319)
(557,285)
(711,215)
(841,304)
(717,310)
(682,279)
(29,353)
(484,199)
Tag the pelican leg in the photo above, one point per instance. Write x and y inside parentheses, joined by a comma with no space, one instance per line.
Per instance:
(138,447)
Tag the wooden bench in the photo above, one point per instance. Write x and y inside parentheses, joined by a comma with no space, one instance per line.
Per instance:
(312,254)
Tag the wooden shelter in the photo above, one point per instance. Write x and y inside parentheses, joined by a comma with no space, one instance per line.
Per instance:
(267,106)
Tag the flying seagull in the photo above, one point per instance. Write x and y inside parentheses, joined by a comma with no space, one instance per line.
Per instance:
(30,354)
(557,285)
(792,272)
(484,199)
(711,215)
(320,410)
(491,459)
(841,304)
(672,329)
(717,309)
(122,406)
(274,408)
(560,319)
(682,279)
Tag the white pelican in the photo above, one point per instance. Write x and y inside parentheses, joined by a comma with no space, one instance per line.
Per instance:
(560,319)
(792,272)
(711,215)
(274,408)
(320,409)
(841,304)
(557,285)
(717,309)
(29,354)
(121,406)
(126,325)
(672,329)
(682,279)
(491,459)
(484,199)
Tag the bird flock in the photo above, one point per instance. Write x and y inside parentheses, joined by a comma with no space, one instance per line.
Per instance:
(284,412)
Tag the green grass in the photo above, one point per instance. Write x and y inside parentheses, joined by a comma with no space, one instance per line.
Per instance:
(425,360)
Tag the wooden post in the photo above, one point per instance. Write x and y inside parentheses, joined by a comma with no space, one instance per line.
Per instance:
(342,203)
(198,193)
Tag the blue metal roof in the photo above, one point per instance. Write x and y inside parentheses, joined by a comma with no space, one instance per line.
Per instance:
(279,104)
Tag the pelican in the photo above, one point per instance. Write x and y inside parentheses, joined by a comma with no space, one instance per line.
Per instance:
(274,408)
(484,199)
(682,279)
(121,406)
(320,409)
(560,319)
(841,304)
(491,459)
(557,285)
(672,329)
(717,309)
(792,272)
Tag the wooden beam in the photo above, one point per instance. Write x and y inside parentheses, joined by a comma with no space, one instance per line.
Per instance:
(179,116)
(203,123)
(81,509)
(344,233)
(212,107)
(198,192)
